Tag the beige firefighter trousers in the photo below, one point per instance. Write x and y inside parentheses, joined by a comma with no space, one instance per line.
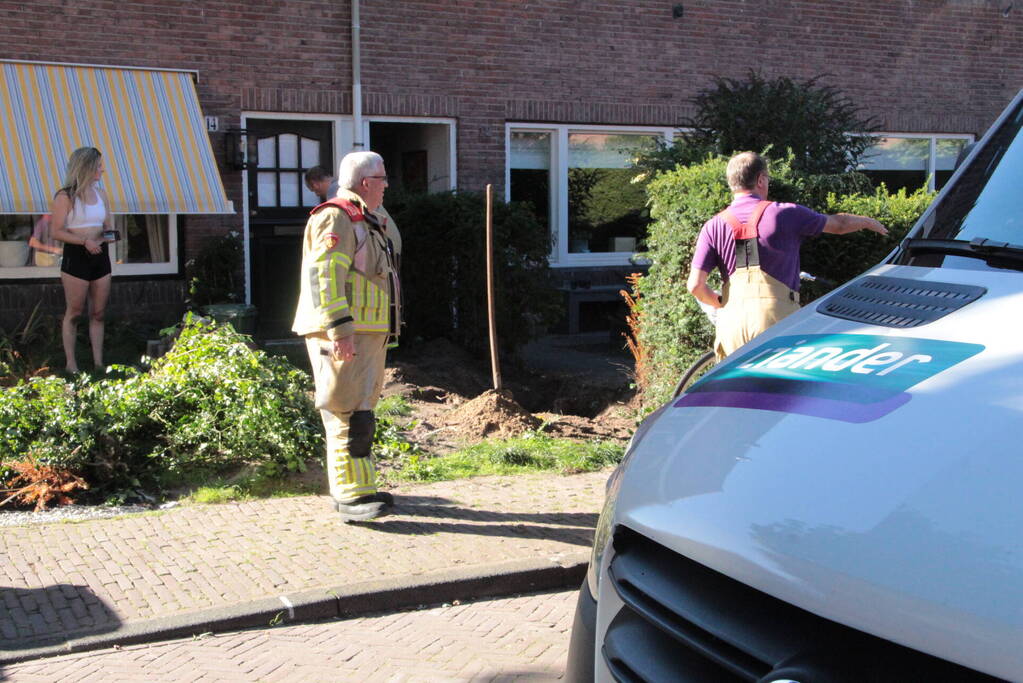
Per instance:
(342,388)
(753,301)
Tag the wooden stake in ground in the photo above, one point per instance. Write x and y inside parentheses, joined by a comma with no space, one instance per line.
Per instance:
(496,370)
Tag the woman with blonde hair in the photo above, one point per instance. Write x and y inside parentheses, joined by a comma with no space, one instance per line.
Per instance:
(79,219)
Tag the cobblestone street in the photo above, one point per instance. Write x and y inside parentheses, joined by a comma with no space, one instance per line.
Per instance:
(521,638)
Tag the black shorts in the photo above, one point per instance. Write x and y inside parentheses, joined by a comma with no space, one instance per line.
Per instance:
(79,263)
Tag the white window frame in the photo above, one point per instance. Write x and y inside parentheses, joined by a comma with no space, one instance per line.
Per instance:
(560,256)
(932,148)
(168,267)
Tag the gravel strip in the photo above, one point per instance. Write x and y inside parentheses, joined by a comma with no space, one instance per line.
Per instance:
(68,513)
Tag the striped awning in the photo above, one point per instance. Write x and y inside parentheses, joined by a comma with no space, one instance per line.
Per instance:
(146,123)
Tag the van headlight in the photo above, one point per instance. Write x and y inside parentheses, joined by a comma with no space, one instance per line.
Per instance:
(602,534)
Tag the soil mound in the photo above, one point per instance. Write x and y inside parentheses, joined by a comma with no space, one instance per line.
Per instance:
(492,413)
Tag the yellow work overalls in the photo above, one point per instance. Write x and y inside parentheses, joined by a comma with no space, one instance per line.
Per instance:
(753,300)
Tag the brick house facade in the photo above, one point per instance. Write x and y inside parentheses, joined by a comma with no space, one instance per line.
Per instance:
(478,68)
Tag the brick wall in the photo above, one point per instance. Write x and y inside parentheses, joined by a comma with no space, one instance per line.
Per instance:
(918,65)
(157,302)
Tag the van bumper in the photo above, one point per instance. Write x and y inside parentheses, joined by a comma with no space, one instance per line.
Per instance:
(582,646)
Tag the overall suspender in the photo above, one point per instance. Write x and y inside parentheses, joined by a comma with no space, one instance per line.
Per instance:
(747,252)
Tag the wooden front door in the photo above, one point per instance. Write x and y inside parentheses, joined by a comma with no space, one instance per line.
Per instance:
(279,204)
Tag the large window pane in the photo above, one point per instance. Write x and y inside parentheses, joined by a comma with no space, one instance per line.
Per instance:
(606,210)
(530,171)
(289,189)
(946,152)
(266,194)
(266,152)
(898,163)
(144,239)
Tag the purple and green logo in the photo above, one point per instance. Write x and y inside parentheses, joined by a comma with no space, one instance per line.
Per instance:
(849,377)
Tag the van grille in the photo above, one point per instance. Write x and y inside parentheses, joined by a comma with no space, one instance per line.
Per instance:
(898,302)
(685,623)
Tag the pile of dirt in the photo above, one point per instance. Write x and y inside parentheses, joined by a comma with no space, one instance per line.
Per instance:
(491,414)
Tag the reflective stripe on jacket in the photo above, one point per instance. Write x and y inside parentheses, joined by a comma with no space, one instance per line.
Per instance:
(348,273)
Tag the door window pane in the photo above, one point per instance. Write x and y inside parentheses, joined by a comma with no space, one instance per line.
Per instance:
(288,144)
(606,210)
(530,171)
(289,189)
(310,153)
(266,188)
(267,152)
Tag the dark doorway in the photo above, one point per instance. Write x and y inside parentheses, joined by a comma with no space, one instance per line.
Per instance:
(279,204)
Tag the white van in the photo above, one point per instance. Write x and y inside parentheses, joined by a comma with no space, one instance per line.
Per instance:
(842,498)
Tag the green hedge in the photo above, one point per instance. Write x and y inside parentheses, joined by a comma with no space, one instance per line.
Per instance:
(444,275)
(674,330)
(212,402)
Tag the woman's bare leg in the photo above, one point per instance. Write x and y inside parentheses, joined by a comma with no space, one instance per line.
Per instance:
(99,292)
(76,291)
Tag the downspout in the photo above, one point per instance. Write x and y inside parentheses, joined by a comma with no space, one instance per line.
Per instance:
(357,143)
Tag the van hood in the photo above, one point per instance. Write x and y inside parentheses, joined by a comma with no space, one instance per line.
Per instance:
(867,474)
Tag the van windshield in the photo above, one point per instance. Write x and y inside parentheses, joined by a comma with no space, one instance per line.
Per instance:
(986,201)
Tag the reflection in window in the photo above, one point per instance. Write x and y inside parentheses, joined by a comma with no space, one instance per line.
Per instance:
(606,210)
(902,162)
(530,171)
(144,239)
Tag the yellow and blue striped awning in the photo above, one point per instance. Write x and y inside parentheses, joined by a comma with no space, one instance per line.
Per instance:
(146,123)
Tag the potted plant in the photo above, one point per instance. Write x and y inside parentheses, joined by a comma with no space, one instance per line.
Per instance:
(14,232)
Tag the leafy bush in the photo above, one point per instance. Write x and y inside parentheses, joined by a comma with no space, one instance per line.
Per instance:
(673,330)
(444,274)
(210,403)
(215,274)
(809,118)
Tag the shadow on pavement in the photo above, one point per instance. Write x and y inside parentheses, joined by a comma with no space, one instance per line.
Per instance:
(567,527)
(36,617)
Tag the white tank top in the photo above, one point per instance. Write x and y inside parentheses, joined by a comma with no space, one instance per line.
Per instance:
(85,215)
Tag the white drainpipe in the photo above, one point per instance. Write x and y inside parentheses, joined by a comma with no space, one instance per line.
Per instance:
(357,143)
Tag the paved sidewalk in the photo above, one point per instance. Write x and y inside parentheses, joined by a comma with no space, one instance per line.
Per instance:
(68,587)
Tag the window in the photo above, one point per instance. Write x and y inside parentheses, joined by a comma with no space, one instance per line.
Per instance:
(148,246)
(579,181)
(282,159)
(913,161)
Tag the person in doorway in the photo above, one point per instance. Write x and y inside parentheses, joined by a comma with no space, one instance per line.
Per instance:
(754,243)
(348,312)
(321,183)
(79,216)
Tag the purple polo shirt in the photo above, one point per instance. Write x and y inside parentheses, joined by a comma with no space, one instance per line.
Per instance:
(781,231)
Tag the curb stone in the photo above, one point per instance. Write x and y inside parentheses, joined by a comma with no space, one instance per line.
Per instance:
(494,580)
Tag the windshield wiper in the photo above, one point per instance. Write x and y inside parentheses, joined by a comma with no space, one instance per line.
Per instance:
(995,254)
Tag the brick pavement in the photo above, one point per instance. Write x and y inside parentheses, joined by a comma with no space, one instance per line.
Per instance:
(70,581)
(524,638)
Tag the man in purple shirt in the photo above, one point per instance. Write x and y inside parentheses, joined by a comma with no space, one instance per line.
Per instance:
(754,243)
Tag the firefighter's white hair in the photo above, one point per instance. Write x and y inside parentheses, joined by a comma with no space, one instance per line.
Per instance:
(356,166)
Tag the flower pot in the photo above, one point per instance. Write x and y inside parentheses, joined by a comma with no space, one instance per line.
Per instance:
(13,253)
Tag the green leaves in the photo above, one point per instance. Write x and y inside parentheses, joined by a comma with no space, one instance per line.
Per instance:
(212,402)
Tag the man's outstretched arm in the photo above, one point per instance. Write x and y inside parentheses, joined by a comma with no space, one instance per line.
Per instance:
(845,223)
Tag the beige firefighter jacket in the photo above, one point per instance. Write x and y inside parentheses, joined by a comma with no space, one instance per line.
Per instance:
(349,279)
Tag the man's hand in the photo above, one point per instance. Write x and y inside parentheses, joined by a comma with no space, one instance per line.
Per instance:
(344,349)
(875,226)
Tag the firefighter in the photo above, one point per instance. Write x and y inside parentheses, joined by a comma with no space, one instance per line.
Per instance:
(348,311)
